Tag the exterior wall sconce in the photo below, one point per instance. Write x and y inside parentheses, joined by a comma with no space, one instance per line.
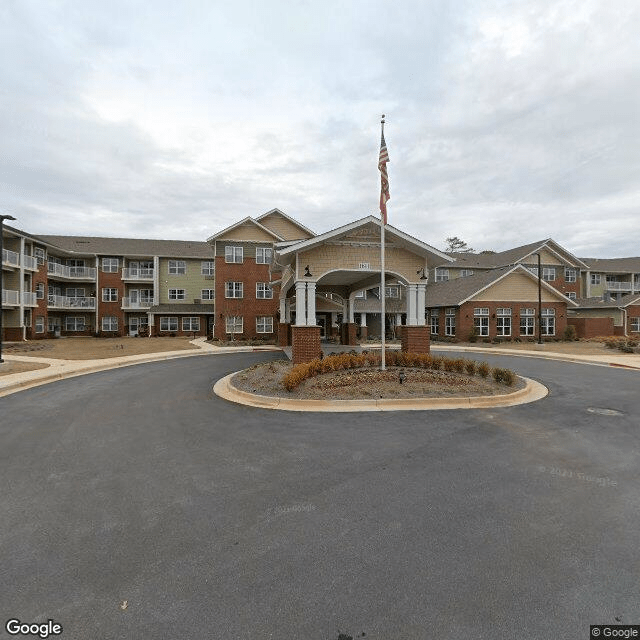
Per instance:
(421,271)
(307,273)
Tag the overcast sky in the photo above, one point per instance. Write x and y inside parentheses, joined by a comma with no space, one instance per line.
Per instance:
(507,121)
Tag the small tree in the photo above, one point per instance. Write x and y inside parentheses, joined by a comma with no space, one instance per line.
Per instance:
(456,245)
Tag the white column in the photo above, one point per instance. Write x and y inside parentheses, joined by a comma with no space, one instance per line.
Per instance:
(311,304)
(422,291)
(398,319)
(352,307)
(334,318)
(412,299)
(587,282)
(287,310)
(301,303)
(363,319)
(283,309)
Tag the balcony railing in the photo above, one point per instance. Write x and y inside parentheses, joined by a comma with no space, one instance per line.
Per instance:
(618,286)
(10,258)
(127,303)
(10,297)
(69,302)
(140,273)
(63,271)
(29,299)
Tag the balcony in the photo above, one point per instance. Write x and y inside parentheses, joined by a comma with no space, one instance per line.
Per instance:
(68,302)
(128,303)
(138,274)
(29,262)
(10,258)
(618,286)
(72,273)
(29,299)
(10,298)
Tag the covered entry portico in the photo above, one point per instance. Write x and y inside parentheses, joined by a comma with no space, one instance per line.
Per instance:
(331,269)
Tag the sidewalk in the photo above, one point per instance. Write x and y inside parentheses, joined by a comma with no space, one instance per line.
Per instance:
(59,369)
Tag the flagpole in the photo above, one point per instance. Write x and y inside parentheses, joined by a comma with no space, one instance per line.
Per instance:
(383,222)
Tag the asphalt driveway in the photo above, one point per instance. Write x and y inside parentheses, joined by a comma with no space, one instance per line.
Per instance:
(138,505)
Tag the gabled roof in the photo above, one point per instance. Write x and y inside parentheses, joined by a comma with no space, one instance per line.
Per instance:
(286,217)
(416,244)
(601,303)
(453,293)
(512,256)
(614,265)
(239,224)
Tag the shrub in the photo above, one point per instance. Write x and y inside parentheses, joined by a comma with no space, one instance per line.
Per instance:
(473,334)
(459,365)
(484,369)
(504,376)
(470,367)
(569,333)
(449,364)
(436,363)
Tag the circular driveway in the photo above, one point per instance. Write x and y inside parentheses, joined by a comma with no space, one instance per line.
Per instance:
(136,504)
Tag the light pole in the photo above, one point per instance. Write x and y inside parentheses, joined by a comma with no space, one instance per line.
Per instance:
(539,300)
(2,219)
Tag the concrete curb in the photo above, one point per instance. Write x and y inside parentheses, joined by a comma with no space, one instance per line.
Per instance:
(533,391)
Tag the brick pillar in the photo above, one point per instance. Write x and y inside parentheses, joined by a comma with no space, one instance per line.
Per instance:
(283,334)
(363,333)
(306,344)
(415,339)
(349,333)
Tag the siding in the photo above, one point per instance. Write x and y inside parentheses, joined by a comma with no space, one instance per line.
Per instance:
(284,228)
(193,282)
(248,231)
(517,287)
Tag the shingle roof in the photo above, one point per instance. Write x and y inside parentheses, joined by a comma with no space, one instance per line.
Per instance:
(613,265)
(452,292)
(600,303)
(130,246)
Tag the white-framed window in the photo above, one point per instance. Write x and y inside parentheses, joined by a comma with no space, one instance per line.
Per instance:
(74,292)
(26,318)
(40,291)
(361,294)
(527,322)
(207,267)
(548,322)
(481,320)
(635,325)
(234,324)
(464,273)
(503,321)
(364,265)
(207,294)
(442,275)
(191,323)
(74,323)
(450,322)
(233,254)
(264,324)
(533,270)
(569,275)
(168,323)
(548,274)
(595,278)
(39,324)
(109,294)
(109,265)
(52,323)
(263,255)
(392,291)
(571,295)
(434,320)
(177,267)
(40,255)
(263,291)
(177,294)
(109,323)
(233,290)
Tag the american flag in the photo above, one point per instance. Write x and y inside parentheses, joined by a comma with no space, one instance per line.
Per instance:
(384,178)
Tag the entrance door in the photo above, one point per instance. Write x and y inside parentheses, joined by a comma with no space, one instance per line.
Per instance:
(321,321)
(134,324)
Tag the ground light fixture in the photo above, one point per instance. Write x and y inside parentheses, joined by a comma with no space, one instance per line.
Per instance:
(401,376)
(2,219)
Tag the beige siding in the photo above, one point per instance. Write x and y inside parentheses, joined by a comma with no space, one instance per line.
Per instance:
(193,282)
(546,257)
(515,287)
(284,228)
(248,231)
(616,314)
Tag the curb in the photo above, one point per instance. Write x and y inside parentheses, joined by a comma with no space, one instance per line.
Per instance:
(533,391)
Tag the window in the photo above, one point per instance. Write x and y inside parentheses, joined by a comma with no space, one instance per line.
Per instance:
(40,255)
(392,292)
(109,323)
(635,325)
(207,268)
(177,267)
(481,320)
(503,321)
(434,319)
(75,292)
(168,323)
(52,323)
(571,295)
(74,323)
(527,322)
(548,322)
(207,294)
(191,324)
(26,318)
(109,295)
(234,324)
(442,275)
(39,324)
(595,278)
(569,275)
(264,324)
(40,291)
(233,254)
(464,273)
(533,270)
(548,273)
(263,255)
(233,289)
(109,265)
(361,294)
(450,322)
(263,291)
(177,294)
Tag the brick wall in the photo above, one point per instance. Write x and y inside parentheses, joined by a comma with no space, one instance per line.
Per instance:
(415,339)
(284,334)
(111,280)
(305,344)
(592,327)
(39,277)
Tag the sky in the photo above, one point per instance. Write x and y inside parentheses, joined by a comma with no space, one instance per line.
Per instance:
(506,121)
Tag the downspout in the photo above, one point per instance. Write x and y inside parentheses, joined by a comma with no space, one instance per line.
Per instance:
(624,320)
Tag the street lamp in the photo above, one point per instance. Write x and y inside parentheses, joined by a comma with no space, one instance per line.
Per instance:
(539,300)
(2,219)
